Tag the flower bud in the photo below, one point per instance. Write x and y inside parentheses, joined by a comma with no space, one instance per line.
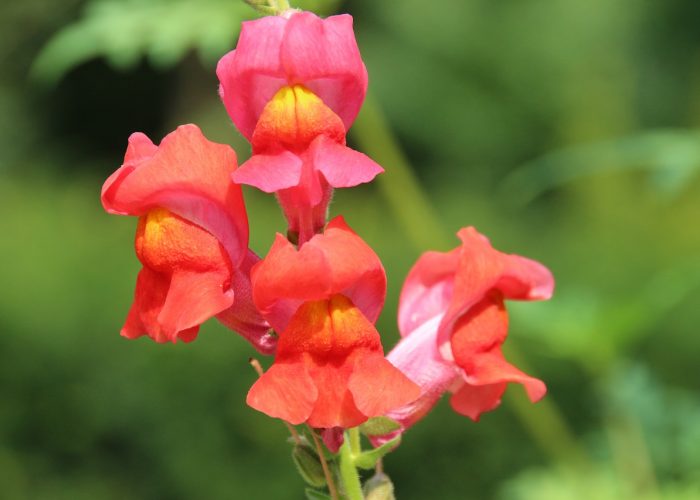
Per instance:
(308,465)
(379,487)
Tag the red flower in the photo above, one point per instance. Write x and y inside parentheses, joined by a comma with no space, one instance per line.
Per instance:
(453,322)
(275,52)
(293,87)
(192,237)
(329,369)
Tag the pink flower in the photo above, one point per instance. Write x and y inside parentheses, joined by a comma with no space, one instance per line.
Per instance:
(293,87)
(192,238)
(453,322)
(301,49)
(329,368)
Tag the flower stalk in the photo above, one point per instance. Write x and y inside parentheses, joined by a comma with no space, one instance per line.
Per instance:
(293,87)
(348,472)
(332,489)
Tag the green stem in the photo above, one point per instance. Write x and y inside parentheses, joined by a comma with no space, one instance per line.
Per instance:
(355,445)
(422,225)
(348,473)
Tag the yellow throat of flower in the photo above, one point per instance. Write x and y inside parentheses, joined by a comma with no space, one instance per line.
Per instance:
(293,118)
(165,241)
(331,327)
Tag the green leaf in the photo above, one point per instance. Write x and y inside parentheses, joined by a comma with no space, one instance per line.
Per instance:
(368,459)
(123,31)
(670,156)
(379,426)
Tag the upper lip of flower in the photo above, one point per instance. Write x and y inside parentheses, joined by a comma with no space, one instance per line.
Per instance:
(153,176)
(337,261)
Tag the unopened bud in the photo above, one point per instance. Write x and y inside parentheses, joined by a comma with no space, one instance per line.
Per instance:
(379,487)
(309,465)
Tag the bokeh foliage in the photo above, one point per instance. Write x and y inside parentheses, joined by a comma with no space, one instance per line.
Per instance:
(566,130)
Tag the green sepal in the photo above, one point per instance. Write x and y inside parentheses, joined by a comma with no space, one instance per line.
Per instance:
(379,426)
(312,494)
(368,459)
(308,465)
(262,7)
(379,487)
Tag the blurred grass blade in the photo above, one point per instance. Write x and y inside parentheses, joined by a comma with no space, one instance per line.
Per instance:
(671,156)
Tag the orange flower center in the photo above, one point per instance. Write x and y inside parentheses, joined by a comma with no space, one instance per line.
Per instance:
(166,242)
(292,119)
(331,328)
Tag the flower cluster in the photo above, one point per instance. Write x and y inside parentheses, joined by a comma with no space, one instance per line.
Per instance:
(293,87)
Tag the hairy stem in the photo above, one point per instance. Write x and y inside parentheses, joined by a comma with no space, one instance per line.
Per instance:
(324,465)
(348,472)
(355,446)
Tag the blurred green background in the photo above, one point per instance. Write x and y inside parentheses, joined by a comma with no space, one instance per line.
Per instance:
(567,131)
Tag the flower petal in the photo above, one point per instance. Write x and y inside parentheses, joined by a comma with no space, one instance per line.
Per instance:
(270,173)
(274,51)
(482,329)
(186,278)
(151,290)
(492,368)
(483,390)
(243,317)
(285,391)
(251,74)
(322,55)
(170,308)
(193,298)
(189,176)
(473,400)
(427,291)
(378,386)
(340,165)
(525,279)
(335,406)
(286,278)
(333,438)
(417,356)
(482,268)
(476,347)
(140,148)
(342,354)
(357,271)
(336,262)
